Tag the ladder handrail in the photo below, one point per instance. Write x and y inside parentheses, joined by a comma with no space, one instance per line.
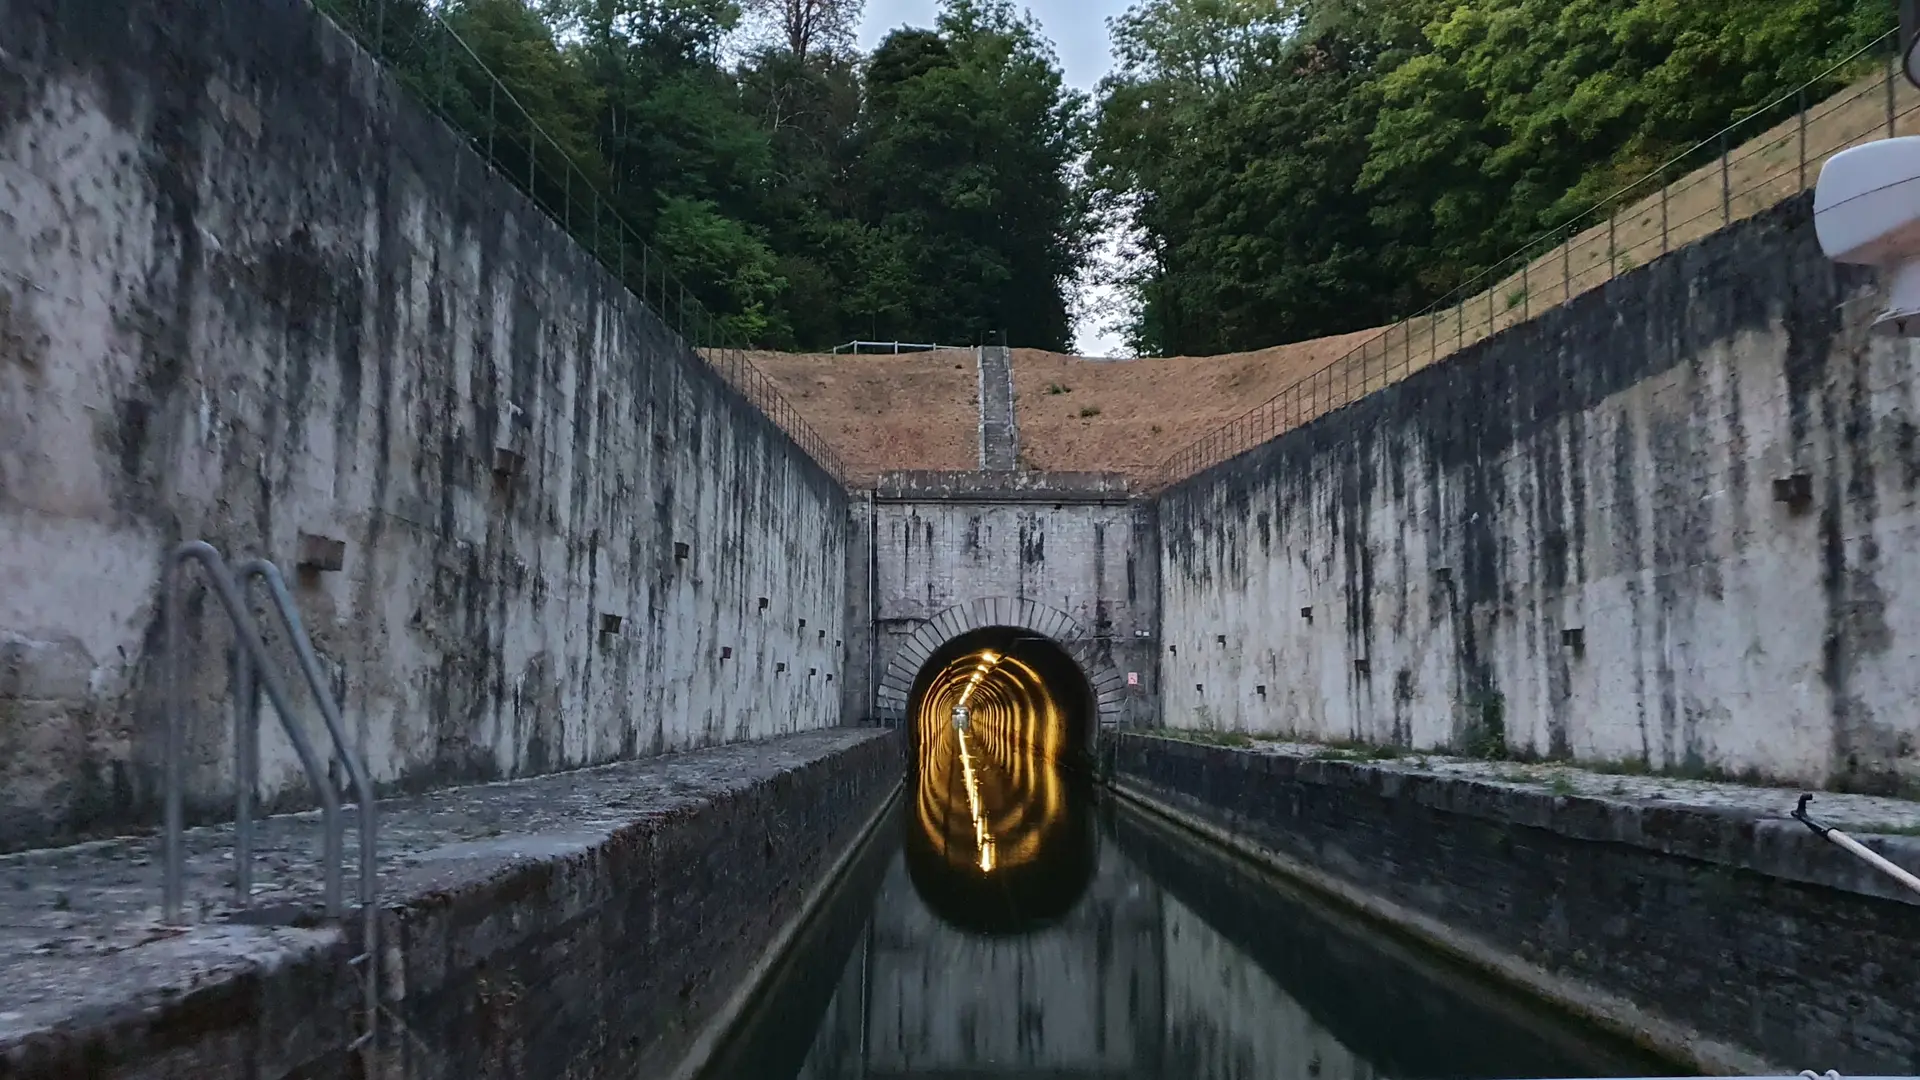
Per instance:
(309,661)
(247,638)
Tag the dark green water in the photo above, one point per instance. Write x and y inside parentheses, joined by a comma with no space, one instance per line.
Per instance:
(1157,956)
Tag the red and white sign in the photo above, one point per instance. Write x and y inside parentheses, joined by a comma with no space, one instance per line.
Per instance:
(1133,678)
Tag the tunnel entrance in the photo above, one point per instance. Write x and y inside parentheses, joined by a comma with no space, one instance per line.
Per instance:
(1001,837)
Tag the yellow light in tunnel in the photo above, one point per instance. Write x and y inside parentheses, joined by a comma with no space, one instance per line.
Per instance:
(981,837)
(1008,760)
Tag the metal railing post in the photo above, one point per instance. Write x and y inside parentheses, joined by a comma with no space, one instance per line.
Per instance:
(246,764)
(1665,246)
(1566,267)
(1803,138)
(1726,181)
(1893,62)
(350,763)
(246,639)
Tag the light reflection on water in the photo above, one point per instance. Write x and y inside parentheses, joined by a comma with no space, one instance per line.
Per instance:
(1167,960)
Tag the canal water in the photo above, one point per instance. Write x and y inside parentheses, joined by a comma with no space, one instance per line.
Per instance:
(1137,951)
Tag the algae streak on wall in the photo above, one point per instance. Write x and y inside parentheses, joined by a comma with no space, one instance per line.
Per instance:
(251,292)
(1669,525)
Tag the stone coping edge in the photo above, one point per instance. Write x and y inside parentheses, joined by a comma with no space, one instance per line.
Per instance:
(293,993)
(1770,844)
(1610,1012)
(713,1035)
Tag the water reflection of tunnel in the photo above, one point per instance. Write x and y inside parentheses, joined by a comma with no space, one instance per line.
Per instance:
(1001,837)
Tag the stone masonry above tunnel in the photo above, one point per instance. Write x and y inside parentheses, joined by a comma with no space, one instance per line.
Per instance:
(918,653)
(1071,557)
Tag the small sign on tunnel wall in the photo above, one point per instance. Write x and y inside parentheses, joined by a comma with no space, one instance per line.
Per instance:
(1133,678)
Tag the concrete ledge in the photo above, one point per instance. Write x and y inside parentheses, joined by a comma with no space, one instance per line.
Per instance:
(1718,937)
(589,924)
(1007,486)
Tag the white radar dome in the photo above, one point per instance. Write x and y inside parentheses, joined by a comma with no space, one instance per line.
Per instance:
(1866,211)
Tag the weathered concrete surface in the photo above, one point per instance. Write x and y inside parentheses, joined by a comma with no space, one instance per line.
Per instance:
(1725,937)
(251,292)
(1855,813)
(1671,522)
(1069,556)
(1005,486)
(585,924)
(999,436)
(1266,980)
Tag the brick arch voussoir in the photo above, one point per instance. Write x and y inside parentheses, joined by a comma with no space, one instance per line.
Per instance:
(896,685)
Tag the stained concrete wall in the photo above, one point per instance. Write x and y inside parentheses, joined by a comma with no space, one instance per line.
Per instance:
(1571,540)
(1717,937)
(252,291)
(1078,544)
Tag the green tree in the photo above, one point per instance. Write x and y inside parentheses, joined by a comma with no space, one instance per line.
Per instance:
(1307,168)
(966,163)
(800,194)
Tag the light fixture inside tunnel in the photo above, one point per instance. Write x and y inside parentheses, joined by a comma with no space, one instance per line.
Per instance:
(998,826)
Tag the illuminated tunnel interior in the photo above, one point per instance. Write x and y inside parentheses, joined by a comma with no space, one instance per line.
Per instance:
(1002,835)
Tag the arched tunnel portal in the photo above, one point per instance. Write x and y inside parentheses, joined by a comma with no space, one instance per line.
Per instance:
(1001,831)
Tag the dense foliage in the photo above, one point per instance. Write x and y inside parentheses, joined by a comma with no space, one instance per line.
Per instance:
(1289,168)
(1300,169)
(805,194)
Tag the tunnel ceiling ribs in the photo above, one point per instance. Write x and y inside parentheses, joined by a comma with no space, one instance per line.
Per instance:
(896,686)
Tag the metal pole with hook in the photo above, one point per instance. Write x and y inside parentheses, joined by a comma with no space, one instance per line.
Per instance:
(1854,847)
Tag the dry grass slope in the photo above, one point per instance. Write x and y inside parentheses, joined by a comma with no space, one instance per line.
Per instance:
(914,411)
(920,411)
(1127,416)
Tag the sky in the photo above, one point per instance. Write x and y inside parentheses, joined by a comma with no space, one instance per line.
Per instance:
(1078,30)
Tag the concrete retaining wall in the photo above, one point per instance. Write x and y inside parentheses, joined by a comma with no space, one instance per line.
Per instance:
(250,292)
(1725,939)
(1670,522)
(604,932)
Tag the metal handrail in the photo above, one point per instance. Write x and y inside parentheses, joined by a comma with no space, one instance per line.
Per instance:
(587,215)
(896,347)
(253,663)
(248,713)
(247,638)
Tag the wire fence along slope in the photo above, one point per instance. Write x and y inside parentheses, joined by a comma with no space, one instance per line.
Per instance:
(1720,181)
(442,72)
